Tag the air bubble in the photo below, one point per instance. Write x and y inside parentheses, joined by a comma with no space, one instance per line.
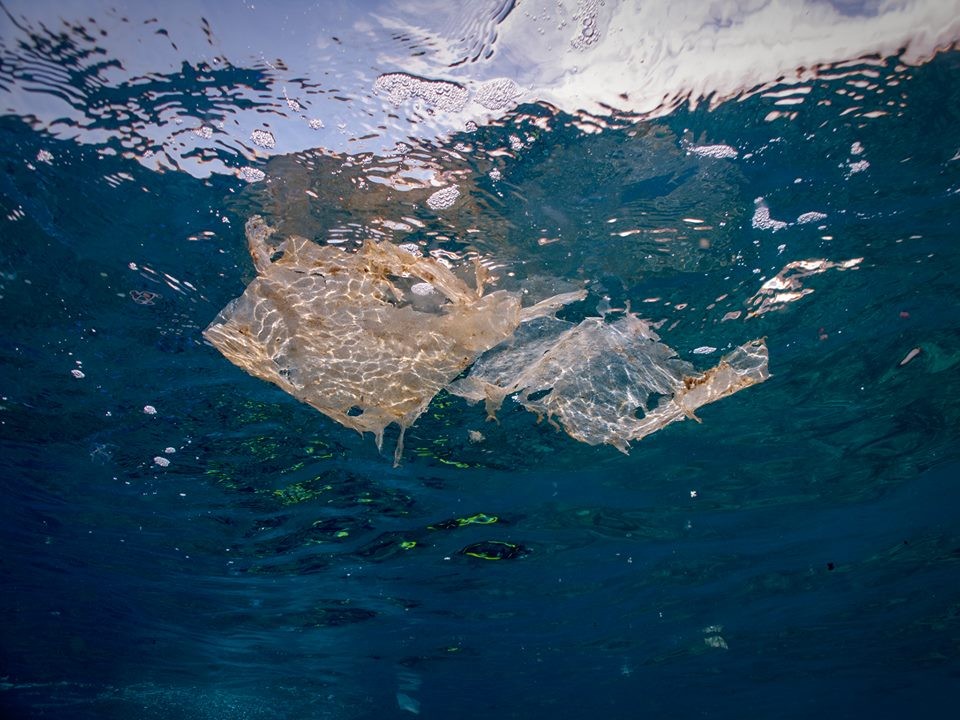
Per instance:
(443,198)
(263,138)
(498,94)
(400,87)
(251,175)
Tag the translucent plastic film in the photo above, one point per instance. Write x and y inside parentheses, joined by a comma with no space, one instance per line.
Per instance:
(605,382)
(369,337)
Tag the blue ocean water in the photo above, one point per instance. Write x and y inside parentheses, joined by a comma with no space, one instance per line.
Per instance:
(183,540)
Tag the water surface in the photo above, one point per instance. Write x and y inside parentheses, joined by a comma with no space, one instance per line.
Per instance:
(182,540)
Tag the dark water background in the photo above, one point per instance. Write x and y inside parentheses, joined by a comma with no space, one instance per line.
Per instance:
(796,553)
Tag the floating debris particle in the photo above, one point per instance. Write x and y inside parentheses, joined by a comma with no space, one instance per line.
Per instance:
(161,461)
(910,356)
(149,410)
(593,378)
(347,333)
(340,330)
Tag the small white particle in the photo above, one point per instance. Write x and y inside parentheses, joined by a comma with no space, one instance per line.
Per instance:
(161,461)
(149,410)
(78,374)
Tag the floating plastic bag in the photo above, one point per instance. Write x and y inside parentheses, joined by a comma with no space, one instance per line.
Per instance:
(367,338)
(593,378)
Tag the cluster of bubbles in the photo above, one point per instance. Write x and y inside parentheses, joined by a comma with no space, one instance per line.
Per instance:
(439,94)
(498,94)
(589,32)
(251,175)
(443,198)
(263,138)
(713,151)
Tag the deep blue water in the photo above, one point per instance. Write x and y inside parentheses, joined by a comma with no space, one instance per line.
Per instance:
(796,553)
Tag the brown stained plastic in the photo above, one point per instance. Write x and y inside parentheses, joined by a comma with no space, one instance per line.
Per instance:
(353,336)
(347,334)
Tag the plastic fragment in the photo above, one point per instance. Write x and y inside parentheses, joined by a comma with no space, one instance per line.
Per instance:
(347,334)
(591,379)
(357,336)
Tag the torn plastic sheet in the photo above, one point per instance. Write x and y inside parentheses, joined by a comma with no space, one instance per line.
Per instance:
(592,379)
(359,336)
(369,337)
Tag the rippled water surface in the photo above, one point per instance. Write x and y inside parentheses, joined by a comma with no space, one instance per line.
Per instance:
(184,540)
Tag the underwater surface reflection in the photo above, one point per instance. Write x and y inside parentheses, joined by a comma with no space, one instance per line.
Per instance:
(572,215)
